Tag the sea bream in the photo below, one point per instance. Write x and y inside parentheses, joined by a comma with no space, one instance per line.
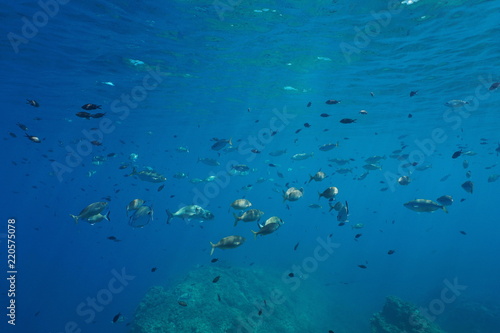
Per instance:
(445,200)
(240,204)
(229,242)
(220,143)
(329,193)
(343,213)
(302,156)
(191,212)
(248,216)
(278,152)
(141,217)
(209,161)
(134,205)
(98,218)
(424,206)
(272,224)
(89,211)
(456,103)
(318,176)
(148,176)
(328,146)
(293,194)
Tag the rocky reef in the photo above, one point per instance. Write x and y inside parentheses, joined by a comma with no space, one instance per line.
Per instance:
(398,316)
(466,316)
(228,300)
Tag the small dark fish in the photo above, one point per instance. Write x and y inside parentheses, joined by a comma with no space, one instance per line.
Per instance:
(214,260)
(83,114)
(413,93)
(307,125)
(111,155)
(113,238)
(296,246)
(23,127)
(358,235)
(309,104)
(280,174)
(463,232)
(272,165)
(330,331)
(116,317)
(96,143)
(255,151)
(182,303)
(362,266)
(260,312)
(216,279)
(410,115)
(273,133)
(372,94)
(218,297)
(324,115)
(297,131)
(90,106)
(341,224)
(32,102)
(494,86)
(332,101)
(97,115)
(160,188)
(291,275)
(456,154)
(154,269)
(265,302)
(391,252)
(13,135)
(33,138)
(124,166)
(347,121)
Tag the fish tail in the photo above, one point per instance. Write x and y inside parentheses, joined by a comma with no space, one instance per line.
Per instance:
(75,218)
(230,141)
(444,208)
(331,207)
(310,178)
(213,248)
(236,219)
(107,216)
(320,195)
(169,216)
(134,172)
(254,234)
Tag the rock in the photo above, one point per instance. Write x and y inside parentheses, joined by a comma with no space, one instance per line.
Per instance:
(398,316)
(243,300)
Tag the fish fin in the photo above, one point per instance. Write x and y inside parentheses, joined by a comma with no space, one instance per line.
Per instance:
(254,234)
(236,219)
(230,141)
(134,172)
(75,218)
(444,208)
(213,248)
(169,216)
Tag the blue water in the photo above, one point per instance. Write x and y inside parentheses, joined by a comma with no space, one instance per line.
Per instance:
(224,75)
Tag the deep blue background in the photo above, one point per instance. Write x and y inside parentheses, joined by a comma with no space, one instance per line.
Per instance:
(224,78)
